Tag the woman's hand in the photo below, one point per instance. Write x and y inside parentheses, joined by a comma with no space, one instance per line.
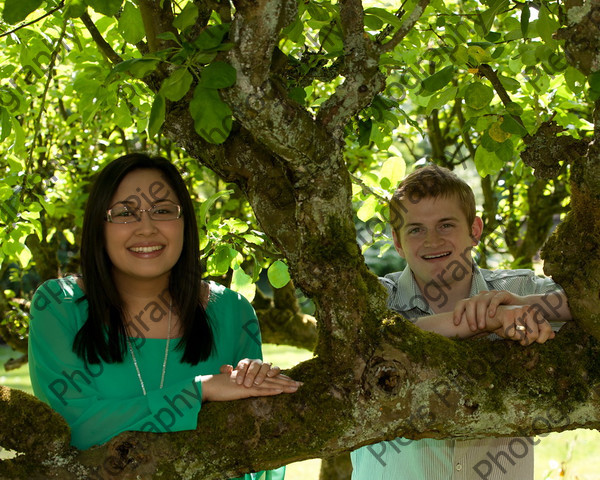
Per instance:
(250,378)
(252,372)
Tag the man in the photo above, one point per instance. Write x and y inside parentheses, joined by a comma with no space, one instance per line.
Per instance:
(435,227)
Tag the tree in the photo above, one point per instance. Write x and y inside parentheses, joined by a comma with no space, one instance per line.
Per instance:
(292,103)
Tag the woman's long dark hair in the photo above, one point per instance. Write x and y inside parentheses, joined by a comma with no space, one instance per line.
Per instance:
(103,337)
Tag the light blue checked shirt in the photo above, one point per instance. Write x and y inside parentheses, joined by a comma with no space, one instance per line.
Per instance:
(504,458)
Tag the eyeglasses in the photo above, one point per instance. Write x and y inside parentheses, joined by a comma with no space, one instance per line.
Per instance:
(123,213)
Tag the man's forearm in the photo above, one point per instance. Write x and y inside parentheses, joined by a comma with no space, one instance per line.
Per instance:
(443,324)
(553,306)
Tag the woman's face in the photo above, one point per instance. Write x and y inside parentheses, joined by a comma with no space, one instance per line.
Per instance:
(146,249)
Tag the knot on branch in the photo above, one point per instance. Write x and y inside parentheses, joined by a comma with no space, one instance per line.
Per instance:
(127,452)
(582,38)
(545,149)
(384,377)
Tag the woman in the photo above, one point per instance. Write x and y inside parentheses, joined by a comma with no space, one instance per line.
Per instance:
(138,342)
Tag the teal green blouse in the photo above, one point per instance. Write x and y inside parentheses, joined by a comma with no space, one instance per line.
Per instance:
(103,400)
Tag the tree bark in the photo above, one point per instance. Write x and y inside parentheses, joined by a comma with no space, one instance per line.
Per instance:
(413,384)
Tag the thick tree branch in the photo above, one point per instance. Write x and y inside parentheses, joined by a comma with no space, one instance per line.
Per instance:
(261,105)
(157,16)
(457,389)
(363,80)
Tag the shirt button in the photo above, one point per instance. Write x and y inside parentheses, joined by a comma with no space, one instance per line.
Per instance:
(458,467)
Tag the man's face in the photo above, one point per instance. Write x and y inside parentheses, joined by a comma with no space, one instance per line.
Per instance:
(436,240)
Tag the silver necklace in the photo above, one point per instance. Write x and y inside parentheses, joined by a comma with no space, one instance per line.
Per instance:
(164,366)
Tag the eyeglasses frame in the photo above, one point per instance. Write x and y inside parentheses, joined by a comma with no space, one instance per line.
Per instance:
(138,218)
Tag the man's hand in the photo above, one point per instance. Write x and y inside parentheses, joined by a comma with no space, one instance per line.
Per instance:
(476,310)
(522,323)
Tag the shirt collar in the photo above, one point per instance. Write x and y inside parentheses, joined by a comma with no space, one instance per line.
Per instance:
(408,296)
(478,283)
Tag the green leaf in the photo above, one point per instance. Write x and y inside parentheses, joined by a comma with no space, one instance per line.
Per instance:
(211,37)
(74,8)
(364,132)
(506,151)
(143,67)
(241,282)
(138,67)
(367,210)
(208,203)
(594,82)
(440,99)
(168,36)
(509,84)
(218,75)
(528,55)
(212,116)
(510,125)
(5,124)
(489,143)
(394,169)
(525,19)
(438,80)
(487,163)
(373,22)
(278,274)
(330,36)
(24,254)
(106,7)
(546,25)
(16,11)
(254,239)
(157,115)
(514,108)
(317,12)
(485,20)
(177,84)
(478,95)
(218,263)
(385,15)
(187,17)
(298,94)
(131,24)
(295,31)
(69,236)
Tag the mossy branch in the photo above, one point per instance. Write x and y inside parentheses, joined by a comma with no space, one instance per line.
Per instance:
(463,386)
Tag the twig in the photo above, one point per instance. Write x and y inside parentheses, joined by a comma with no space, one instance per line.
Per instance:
(368,190)
(37,122)
(406,27)
(103,45)
(50,12)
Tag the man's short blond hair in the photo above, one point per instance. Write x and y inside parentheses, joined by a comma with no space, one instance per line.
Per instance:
(431,181)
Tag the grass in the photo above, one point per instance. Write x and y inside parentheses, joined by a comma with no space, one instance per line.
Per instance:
(558,456)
